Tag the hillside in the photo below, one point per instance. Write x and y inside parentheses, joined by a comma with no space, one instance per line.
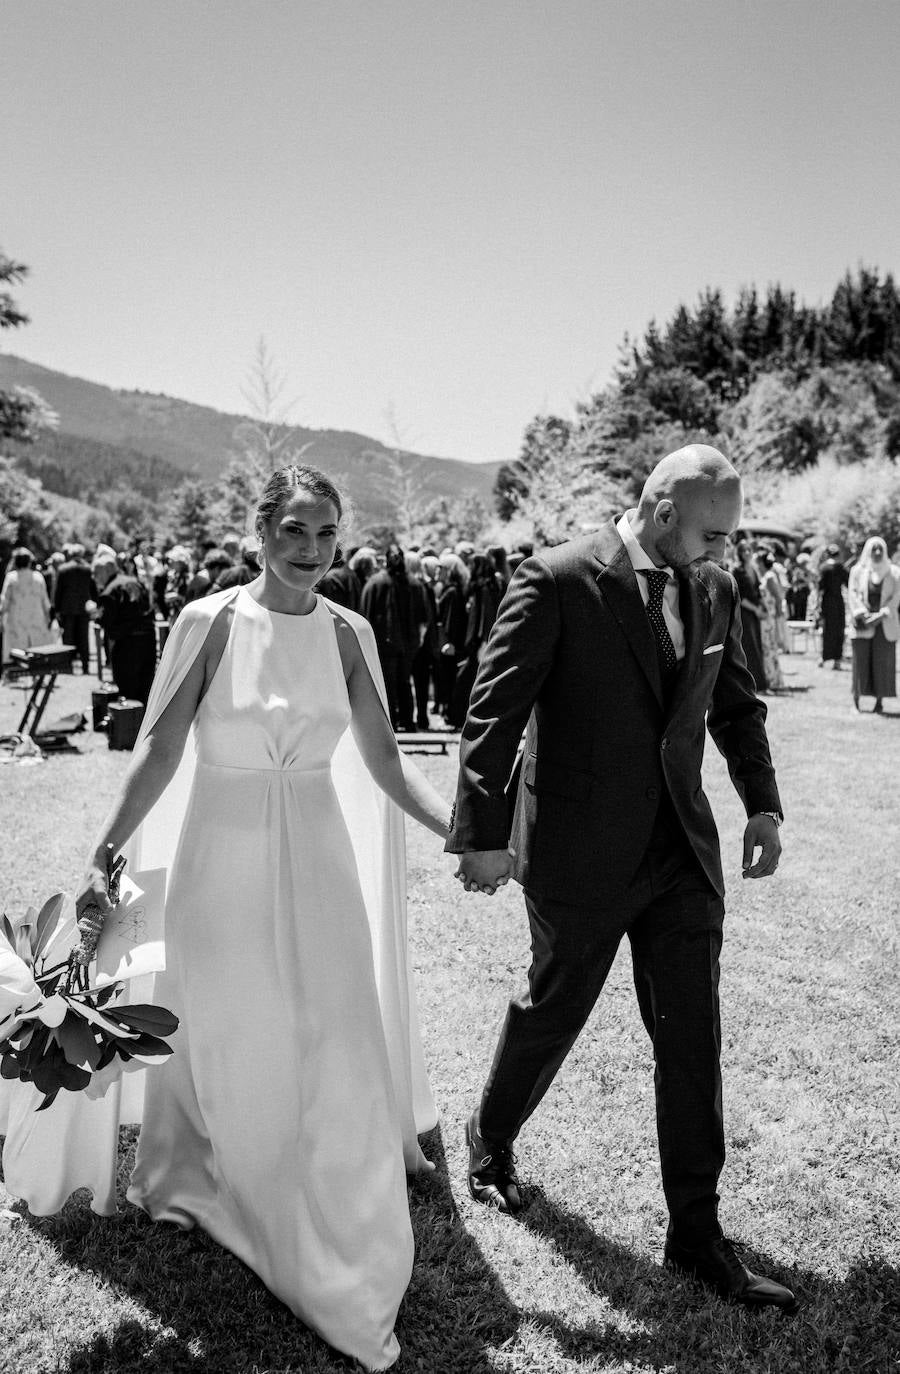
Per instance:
(148,442)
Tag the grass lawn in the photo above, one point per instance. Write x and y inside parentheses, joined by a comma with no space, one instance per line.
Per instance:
(810,1036)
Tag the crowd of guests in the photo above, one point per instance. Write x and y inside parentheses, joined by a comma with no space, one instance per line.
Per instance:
(836,597)
(432,610)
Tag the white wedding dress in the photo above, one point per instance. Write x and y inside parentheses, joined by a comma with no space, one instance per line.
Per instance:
(286,1119)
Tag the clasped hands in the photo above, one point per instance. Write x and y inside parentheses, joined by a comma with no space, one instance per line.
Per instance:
(484,870)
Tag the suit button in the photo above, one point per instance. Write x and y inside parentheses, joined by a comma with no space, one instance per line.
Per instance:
(652,793)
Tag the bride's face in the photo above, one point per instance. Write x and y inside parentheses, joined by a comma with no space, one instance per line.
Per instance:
(300,540)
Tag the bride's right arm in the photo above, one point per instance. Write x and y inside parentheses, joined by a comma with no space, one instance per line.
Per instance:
(152,768)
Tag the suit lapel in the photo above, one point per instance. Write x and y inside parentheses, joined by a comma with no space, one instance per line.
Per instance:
(618,585)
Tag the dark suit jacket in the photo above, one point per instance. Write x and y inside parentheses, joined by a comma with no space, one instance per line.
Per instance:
(74,588)
(573,654)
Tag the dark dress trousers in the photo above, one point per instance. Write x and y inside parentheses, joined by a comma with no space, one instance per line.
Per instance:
(612,830)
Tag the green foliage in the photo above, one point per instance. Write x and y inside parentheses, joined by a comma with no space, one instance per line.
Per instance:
(188,514)
(76,466)
(780,386)
(840,502)
(447,520)
(24,415)
(11,273)
(23,412)
(510,487)
(26,517)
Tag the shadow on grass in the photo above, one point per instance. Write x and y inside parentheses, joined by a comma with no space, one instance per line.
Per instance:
(203,1310)
(847,1324)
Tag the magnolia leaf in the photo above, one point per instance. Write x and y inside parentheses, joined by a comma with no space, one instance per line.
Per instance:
(78,1042)
(146,1044)
(145,1017)
(102,1079)
(23,932)
(73,1077)
(99,1019)
(53,1012)
(47,921)
(46,1073)
(17,985)
(34,1050)
(108,994)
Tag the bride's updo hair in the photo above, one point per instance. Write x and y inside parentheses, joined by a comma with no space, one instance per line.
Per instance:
(284,481)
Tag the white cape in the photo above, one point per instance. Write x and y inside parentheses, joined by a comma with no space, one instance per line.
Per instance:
(74,1143)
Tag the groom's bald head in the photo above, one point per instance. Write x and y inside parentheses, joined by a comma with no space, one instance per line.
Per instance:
(690,503)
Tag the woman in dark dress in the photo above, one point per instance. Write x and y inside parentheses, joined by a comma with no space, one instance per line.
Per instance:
(752,611)
(485,592)
(452,621)
(832,612)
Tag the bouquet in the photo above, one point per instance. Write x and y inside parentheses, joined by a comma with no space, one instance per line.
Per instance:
(59,1031)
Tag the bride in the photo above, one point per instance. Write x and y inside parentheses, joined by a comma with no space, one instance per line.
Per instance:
(286,1120)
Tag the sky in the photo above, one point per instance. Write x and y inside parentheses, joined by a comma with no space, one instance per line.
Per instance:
(442,216)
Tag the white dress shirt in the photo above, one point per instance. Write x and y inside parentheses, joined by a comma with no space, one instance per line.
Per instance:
(640,559)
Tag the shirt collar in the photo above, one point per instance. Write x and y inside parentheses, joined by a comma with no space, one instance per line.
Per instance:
(640,559)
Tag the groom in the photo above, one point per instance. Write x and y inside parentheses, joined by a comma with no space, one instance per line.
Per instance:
(619,650)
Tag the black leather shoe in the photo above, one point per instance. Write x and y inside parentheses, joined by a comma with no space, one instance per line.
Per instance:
(492,1171)
(715,1263)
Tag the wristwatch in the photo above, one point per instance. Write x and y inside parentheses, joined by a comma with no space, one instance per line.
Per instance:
(775,816)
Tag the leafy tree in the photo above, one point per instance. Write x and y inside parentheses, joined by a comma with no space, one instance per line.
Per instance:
(188,513)
(26,516)
(508,490)
(11,273)
(23,413)
(446,520)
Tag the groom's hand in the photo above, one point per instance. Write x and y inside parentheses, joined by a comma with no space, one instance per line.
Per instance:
(484,870)
(762,834)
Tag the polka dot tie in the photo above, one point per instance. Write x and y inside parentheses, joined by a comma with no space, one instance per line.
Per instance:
(656,582)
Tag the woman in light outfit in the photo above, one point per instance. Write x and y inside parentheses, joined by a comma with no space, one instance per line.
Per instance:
(24,606)
(873,594)
(286,1120)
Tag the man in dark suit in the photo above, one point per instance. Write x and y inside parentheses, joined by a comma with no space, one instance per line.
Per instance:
(73,590)
(619,650)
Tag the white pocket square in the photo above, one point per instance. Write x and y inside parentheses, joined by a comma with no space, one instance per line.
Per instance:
(714,649)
